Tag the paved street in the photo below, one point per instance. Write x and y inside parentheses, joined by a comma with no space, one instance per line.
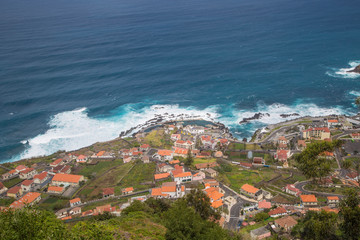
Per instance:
(301,185)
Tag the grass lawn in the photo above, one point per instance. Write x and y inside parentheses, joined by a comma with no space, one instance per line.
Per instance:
(98,169)
(140,177)
(204,160)
(6,201)
(236,178)
(236,146)
(335,190)
(2,171)
(155,138)
(12,182)
(54,204)
(248,228)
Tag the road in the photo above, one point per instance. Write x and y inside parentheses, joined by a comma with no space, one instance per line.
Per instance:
(301,186)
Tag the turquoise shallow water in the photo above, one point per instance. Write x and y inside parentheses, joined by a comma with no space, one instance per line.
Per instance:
(73,73)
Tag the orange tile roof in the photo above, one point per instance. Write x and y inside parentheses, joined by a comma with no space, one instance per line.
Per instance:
(20,168)
(66,218)
(333,198)
(129,189)
(75,200)
(108,191)
(27,182)
(180,150)
(26,199)
(27,171)
(215,195)
(210,189)
(249,188)
(308,198)
(174,161)
(66,178)
(41,176)
(165,152)
(145,146)
(333,120)
(161,176)
(81,157)
(183,174)
(279,210)
(14,190)
(168,189)
(55,189)
(157,192)
(100,153)
(217,204)
(56,162)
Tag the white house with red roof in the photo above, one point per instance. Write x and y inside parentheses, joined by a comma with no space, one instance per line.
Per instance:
(184,144)
(27,185)
(175,137)
(28,173)
(82,159)
(40,178)
(2,188)
(164,155)
(291,189)
(20,168)
(74,202)
(10,174)
(182,177)
(56,163)
(168,190)
(282,155)
(144,147)
(333,123)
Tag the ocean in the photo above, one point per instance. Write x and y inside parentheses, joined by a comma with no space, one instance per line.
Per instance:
(73,73)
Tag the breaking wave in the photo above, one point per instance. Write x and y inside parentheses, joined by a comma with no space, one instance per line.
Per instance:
(75,129)
(343,72)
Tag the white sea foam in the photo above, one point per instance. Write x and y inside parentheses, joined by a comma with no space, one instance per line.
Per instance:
(343,72)
(355,93)
(75,129)
(72,130)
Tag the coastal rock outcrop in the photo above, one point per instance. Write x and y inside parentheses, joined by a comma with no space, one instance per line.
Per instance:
(255,117)
(289,115)
(355,70)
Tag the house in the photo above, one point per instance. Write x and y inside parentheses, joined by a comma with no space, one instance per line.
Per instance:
(308,200)
(332,200)
(61,169)
(178,170)
(75,211)
(203,166)
(173,162)
(218,154)
(183,177)
(56,163)
(327,155)
(81,159)
(27,185)
(258,161)
(28,173)
(321,133)
(66,169)
(286,223)
(168,190)
(2,188)
(245,165)
(144,147)
(215,196)
(87,213)
(211,172)
(127,190)
(108,192)
(251,191)
(127,159)
(291,189)
(301,144)
(210,183)
(333,123)
(67,179)
(165,168)
(20,168)
(260,233)
(277,212)
(175,137)
(74,202)
(103,155)
(195,129)
(355,135)
(56,189)
(164,155)
(14,192)
(28,199)
(264,205)
(184,144)
(145,159)
(199,176)
(282,155)
(40,178)
(161,176)
(11,174)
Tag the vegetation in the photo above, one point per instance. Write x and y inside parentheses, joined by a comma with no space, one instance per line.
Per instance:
(310,161)
(12,182)
(140,177)
(189,158)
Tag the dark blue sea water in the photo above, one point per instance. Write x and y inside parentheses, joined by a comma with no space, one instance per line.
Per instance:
(76,72)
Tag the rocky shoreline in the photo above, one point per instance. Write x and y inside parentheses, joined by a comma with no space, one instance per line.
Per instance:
(355,70)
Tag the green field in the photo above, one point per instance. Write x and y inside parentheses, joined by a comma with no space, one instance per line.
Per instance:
(54,204)
(98,169)
(142,173)
(12,182)
(204,160)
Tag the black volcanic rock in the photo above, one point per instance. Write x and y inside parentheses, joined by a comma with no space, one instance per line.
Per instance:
(289,115)
(255,117)
(356,69)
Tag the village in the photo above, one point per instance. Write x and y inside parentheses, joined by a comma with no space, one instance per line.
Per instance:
(255,184)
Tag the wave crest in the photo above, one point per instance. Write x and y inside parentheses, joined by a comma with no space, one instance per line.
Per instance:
(343,72)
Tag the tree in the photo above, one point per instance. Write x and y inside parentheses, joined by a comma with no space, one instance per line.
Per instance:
(198,200)
(347,163)
(189,159)
(31,223)
(317,226)
(350,215)
(311,162)
(261,216)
